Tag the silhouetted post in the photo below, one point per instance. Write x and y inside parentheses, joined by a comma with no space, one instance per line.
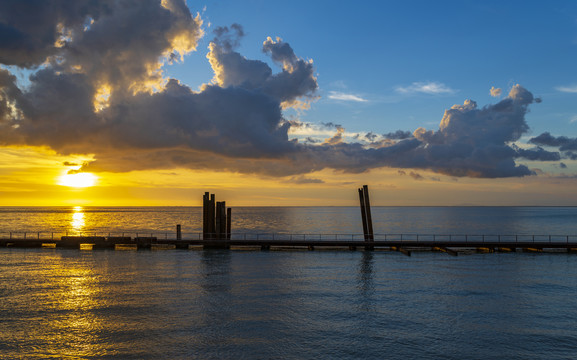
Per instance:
(205,199)
(208,212)
(178,233)
(211,214)
(220,224)
(217,220)
(228,222)
(368,213)
(363,214)
(222,215)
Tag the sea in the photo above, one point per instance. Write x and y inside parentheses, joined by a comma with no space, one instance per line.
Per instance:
(295,304)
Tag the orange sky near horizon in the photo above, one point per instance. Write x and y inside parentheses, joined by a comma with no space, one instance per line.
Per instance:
(30,177)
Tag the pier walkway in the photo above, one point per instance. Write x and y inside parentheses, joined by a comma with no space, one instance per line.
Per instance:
(399,242)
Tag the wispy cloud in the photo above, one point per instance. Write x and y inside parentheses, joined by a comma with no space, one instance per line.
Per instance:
(567,89)
(432,88)
(304,180)
(339,84)
(337,95)
(417,176)
(573,119)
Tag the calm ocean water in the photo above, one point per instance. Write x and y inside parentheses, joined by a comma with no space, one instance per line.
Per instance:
(297,220)
(288,304)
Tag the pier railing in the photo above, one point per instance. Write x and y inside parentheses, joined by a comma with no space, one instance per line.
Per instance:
(316,237)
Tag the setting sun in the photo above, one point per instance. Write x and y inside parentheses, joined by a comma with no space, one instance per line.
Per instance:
(79,180)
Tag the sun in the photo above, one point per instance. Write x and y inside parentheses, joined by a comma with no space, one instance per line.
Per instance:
(78,180)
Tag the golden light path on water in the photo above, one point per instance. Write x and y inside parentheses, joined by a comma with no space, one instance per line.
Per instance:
(77,222)
(72,293)
(75,298)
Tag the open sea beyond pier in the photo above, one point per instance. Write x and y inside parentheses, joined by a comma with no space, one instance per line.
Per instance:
(227,304)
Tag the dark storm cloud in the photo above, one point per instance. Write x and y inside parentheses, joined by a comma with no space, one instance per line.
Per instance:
(398,135)
(97,87)
(470,142)
(30,30)
(10,99)
(538,154)
(562,142)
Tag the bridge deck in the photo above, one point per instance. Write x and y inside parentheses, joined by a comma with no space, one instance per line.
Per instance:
(148,242)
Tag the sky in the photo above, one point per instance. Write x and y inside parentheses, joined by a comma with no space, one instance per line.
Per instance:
(269,103)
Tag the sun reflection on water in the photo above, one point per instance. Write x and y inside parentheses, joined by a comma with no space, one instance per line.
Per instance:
(77,222)
(58,313)
(75,293)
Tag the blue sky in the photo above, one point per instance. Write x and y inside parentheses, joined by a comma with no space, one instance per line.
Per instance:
(97,93)
(370,49)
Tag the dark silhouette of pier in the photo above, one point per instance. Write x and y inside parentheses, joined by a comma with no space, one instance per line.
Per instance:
(216,233)
(405,243)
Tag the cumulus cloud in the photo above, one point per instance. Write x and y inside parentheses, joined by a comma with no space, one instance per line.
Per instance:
(294,86)
(228,38)
(475,142)
(495,92)
(431,88)
(337,138)
(98,87)
(370,136)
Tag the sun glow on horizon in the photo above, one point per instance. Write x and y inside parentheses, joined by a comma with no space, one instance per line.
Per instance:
(78,180)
